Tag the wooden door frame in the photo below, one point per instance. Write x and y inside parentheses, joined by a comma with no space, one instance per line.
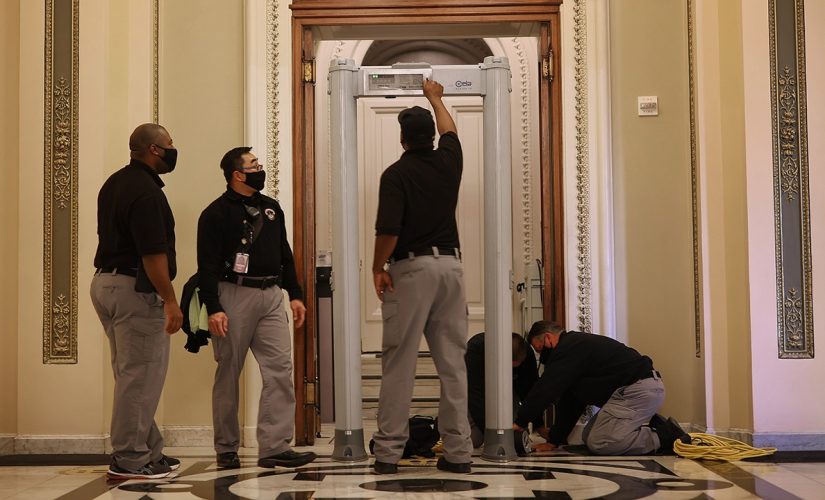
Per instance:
(308,18)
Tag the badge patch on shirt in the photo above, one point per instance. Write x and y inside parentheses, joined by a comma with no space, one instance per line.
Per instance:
(270,214)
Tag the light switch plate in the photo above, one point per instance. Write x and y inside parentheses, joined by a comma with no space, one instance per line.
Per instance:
(648,105)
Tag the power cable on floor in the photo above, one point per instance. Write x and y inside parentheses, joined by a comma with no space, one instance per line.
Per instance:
(709,447)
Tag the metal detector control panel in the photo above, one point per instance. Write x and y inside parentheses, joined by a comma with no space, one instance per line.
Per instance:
(408,79)
(382,81)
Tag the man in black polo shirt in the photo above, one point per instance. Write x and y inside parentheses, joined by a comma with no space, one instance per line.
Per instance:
(585,369)
(423,289)
(133,296)
(525,374)
(244,259)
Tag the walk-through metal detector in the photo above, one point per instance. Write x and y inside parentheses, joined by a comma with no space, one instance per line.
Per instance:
(491,80)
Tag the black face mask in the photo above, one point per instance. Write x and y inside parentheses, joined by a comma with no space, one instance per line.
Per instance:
(170,157)
(256,180)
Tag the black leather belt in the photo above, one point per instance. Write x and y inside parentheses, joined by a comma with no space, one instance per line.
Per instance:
(262,282)
(448,251)
(127,271)
(651,374)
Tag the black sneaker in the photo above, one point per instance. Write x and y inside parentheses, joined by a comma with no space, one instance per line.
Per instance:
(148,471)
(447,466)
(172,463)
(385,467)
(228,460)
(289,458)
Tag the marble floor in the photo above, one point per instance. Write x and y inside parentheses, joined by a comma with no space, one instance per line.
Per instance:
(550,476)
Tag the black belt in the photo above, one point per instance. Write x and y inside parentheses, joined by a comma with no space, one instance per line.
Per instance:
(448,251)
(127,271)
(262,282)
(651,374)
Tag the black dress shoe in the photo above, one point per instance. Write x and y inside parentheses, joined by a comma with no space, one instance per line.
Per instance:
(657,421)
(289,458)
(228,460)
(668,433)
(385,468)
(447,466)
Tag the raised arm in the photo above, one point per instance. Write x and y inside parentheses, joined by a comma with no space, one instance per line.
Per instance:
(434,91)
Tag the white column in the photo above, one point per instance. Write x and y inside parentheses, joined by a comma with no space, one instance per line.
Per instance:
(254,135)
(346,295)
(498,285)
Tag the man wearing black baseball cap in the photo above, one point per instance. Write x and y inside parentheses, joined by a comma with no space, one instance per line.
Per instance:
(419,279)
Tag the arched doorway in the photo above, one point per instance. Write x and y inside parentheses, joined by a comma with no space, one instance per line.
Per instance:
(364,19)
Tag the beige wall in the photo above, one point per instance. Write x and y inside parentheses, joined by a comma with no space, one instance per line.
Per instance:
(10,159)
(202,105)
(652,197)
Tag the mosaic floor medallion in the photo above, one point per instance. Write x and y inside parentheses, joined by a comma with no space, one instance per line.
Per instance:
(561,479)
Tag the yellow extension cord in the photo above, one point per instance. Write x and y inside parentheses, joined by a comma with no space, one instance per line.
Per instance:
(710,447)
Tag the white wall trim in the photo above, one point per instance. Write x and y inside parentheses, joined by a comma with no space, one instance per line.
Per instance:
(601,164)
(790,441)
(189,435)
(6,444)
(255,78)
(744,435)
(588,161)
(141,92)
(25,444)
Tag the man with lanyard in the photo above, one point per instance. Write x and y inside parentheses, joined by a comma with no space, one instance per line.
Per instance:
(423,289)
(244,259)
(133,296)
(585,369)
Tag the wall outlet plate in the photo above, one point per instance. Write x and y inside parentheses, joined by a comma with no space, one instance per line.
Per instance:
(648,105)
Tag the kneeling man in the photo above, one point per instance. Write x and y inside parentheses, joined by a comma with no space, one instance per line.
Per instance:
(585,369)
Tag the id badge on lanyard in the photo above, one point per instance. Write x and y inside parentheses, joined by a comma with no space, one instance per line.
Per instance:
(241,265)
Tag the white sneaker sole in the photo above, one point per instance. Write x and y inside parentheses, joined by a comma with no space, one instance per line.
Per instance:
(130,475)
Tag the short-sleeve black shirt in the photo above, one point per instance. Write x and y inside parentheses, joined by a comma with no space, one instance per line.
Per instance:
(134,219)
(583,369)
(418,197)
(220,230)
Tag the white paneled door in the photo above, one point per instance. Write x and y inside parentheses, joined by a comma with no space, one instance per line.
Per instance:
(378,147)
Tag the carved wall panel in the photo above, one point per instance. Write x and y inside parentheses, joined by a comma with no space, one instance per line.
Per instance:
(694,180)
(792,218)
(60,212)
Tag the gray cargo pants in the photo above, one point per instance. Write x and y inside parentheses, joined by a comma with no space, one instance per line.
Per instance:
(428,299)
(619,428)
(257,321)
(134,324)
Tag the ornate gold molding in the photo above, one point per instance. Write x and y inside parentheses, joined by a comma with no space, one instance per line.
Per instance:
(792,220)
(583,264)
(60,182)
(272,97)
(155,61)
(524,138)
(694,179)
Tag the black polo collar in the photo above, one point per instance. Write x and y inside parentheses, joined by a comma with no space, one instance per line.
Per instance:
(233,195)
(142,166)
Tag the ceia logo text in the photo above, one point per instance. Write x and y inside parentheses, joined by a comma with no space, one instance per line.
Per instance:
(460,84)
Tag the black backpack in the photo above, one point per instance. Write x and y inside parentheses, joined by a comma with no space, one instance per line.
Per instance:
(423,436)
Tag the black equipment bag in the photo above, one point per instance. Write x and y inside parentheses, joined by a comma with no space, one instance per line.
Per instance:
(423,436)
